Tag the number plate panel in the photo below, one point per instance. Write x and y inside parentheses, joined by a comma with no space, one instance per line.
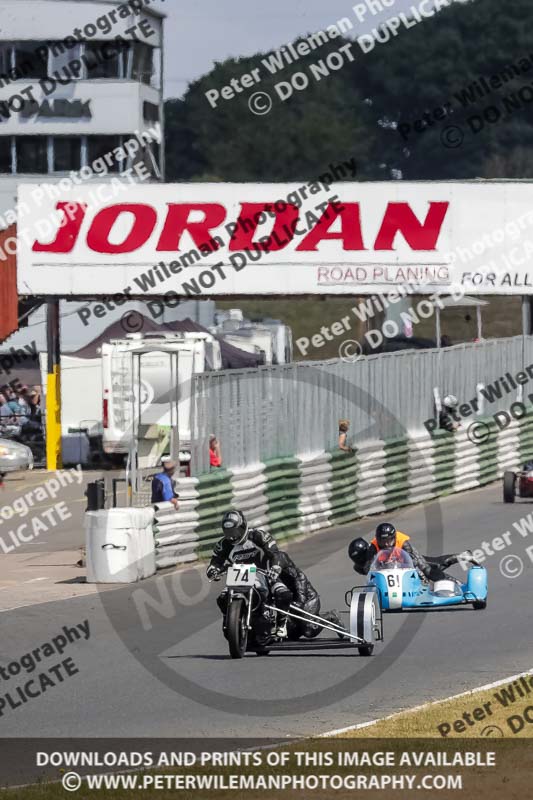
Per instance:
(241,575)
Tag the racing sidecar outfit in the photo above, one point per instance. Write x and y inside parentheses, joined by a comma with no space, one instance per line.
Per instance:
(261,549)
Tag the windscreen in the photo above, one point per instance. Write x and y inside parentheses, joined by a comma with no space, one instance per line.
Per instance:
(395,558)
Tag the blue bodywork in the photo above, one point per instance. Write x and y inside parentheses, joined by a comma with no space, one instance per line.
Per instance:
(401,588)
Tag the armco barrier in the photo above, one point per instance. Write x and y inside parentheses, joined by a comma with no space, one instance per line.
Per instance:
(296,495)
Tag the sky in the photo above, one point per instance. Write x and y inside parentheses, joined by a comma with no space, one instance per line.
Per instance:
(204,31)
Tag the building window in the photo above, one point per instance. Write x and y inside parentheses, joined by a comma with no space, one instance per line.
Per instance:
(104,60)
(150,112)
(100,146)
(31,59)
(5,62)
(67,153)
(61,57)
(32,154)
(142,67)
(5,154)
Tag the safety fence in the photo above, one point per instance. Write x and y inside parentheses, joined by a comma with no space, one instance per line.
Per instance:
(300,494)
(269,413)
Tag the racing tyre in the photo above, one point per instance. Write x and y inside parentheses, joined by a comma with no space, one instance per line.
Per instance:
(509,482)
(479,604)
(363,614)
(237,633)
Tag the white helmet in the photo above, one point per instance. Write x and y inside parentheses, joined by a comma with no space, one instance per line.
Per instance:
(450,401)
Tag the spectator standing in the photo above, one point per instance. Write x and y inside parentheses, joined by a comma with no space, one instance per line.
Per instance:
(448,416)
(34,403)
(344,425)
(215,455)
(5,411)
(16,408)
(163,485)
(32,414)
(24,398)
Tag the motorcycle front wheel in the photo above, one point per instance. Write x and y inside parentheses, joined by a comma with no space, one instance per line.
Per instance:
(236,629)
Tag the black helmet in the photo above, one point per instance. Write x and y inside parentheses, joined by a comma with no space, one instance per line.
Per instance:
(358,552)
(385,535)
(234,526)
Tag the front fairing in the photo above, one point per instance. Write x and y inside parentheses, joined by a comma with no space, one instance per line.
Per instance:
(400,586)
(393,574)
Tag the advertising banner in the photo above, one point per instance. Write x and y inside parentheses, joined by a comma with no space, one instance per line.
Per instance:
(276,239)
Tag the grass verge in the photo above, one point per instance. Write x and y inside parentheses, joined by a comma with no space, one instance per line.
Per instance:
(504,710)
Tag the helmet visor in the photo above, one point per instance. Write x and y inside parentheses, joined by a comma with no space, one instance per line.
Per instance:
(386,539)
(233,527)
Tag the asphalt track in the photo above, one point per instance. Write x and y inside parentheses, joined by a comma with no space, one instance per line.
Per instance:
(160,682)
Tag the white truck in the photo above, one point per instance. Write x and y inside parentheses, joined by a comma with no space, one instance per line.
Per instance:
(163,368)
(269,337)
(97,393)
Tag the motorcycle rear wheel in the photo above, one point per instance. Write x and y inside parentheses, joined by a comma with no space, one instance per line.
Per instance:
(236,630)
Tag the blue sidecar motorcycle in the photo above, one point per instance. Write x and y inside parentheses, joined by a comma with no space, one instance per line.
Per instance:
(399,587)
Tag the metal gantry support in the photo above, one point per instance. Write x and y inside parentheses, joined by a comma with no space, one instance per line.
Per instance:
(169,395)
(53,387)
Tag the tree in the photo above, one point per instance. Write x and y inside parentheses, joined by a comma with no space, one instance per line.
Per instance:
(295,141)
(358,109)
(438,64)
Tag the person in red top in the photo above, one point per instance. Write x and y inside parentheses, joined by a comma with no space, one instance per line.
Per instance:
(215,457)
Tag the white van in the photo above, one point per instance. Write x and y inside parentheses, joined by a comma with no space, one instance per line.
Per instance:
(97,393)
(282,336)
(147,364)
(269,337)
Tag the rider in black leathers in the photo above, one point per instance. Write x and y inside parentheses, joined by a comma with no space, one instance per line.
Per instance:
(304,595)
(252,545)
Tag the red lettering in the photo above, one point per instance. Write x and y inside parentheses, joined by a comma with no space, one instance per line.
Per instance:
(145,218)
(400,218)
(177,222)
(68,231)
(350,233)
(248,221)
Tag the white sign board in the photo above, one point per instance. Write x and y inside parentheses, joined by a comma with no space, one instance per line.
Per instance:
(258,239)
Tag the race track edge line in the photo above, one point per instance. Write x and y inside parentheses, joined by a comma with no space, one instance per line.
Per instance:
(487,686)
